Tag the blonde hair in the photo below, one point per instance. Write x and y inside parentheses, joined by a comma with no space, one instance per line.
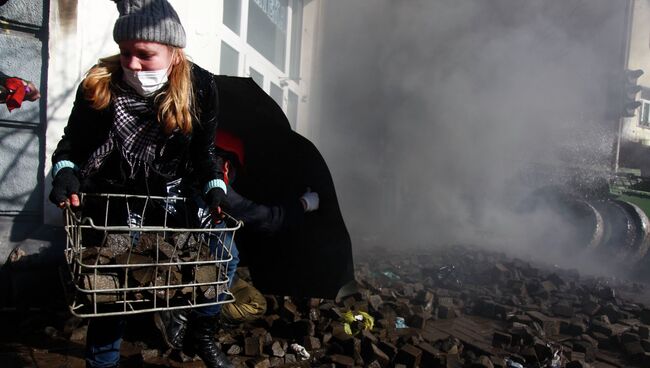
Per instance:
(174,105)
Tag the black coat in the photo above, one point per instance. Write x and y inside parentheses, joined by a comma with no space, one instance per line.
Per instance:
(313,256)
(88,129)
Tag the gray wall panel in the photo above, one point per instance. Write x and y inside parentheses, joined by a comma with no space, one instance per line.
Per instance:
(21,57)
(19,172)
(24,11)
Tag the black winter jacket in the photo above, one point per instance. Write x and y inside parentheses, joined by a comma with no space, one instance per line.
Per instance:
(184,156)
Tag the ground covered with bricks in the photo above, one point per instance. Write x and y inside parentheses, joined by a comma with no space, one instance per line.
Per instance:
(449,307)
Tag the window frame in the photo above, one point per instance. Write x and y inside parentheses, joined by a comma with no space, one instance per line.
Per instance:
(644,114)
(249,57)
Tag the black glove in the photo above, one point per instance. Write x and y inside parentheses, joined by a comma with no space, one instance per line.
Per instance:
(215,198)
(65,184)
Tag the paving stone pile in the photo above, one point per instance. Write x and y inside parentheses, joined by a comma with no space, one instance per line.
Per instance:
(455,307)
(446,307)
(132,259)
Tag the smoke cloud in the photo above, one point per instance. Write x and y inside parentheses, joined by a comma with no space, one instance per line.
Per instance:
(440,118)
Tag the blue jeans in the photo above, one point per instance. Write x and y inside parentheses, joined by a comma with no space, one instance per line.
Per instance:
(217,247)
(103,341)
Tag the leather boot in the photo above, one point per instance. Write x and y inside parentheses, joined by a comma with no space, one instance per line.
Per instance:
(199,340)
(173,326)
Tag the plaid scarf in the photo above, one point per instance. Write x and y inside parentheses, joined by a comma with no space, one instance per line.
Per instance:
(135,133)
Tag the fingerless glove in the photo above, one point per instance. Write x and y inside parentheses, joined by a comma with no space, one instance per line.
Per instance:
(215,197)
(65,184)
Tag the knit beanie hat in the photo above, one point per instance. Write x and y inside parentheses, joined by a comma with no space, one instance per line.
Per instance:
(148,20)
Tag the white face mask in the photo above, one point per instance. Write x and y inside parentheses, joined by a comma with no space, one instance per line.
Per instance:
(146,83)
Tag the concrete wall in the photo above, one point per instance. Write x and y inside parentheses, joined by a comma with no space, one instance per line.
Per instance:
(308,114)
(23,42)
(23,45)
(639,58)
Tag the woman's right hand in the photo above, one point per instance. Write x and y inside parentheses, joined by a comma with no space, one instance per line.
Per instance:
(65,188)
(214,199)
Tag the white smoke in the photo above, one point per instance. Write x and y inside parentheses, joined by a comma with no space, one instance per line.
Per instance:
(435,113)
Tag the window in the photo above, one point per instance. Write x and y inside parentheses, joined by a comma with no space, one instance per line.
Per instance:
(229,60)
(265,44)
(292,109)
(267,29)
(644,117)
(277,94)
(296,39)
(257,77)
(232,15)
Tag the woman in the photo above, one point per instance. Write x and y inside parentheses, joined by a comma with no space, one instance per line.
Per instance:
(142,119)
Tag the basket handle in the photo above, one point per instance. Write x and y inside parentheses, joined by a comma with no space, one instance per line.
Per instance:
(208,222)
(71,213)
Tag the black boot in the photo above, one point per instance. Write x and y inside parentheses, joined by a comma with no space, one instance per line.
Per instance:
(199,340)
(173,326)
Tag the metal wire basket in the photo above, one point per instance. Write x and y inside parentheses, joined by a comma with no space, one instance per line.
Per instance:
(129,254)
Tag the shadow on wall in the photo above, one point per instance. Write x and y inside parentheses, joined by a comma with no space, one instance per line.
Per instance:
(68,15)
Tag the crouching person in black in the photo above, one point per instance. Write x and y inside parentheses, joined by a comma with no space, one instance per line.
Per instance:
(249,303)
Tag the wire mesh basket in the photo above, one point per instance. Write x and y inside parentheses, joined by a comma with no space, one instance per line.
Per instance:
(129,254)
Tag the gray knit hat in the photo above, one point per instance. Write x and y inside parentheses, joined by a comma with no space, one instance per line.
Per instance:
(148,20)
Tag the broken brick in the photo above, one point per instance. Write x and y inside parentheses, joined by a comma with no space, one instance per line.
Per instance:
(409,355)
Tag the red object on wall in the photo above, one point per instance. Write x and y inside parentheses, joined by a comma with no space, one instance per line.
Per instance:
(16,93)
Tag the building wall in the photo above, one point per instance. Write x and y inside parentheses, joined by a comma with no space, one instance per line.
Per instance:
(23,42)
(23,45)
(639,58)
(640,40)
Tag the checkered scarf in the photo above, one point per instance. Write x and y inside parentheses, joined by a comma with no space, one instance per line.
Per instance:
(135,133)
